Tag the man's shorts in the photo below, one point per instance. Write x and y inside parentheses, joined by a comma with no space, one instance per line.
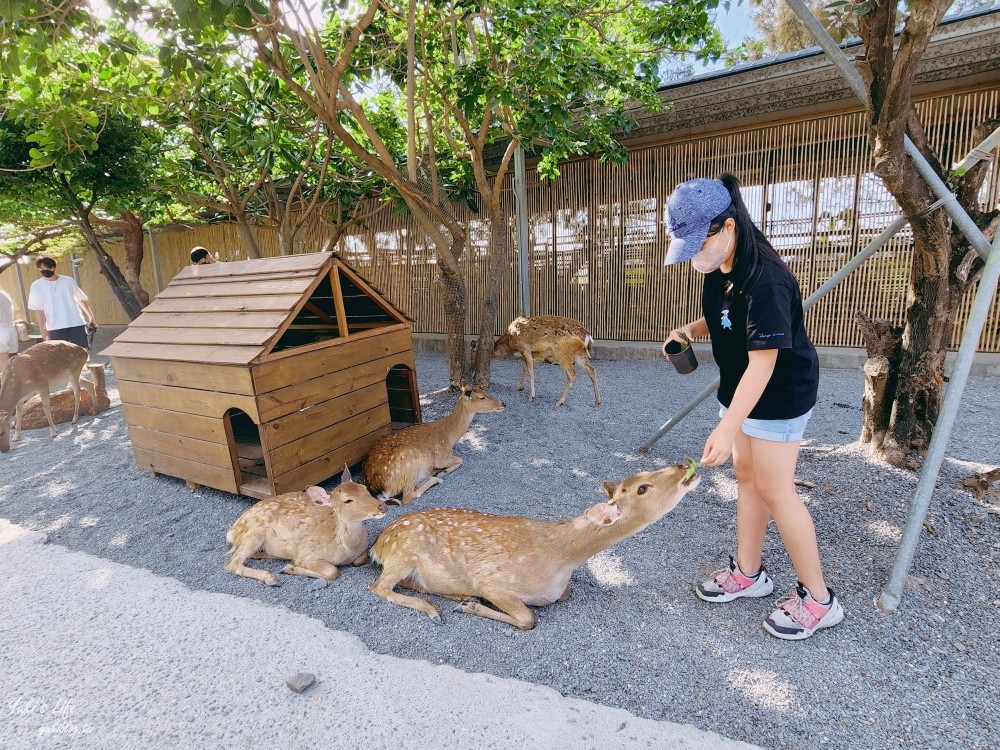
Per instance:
(76,334)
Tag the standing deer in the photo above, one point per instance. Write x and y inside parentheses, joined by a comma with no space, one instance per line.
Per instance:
(549,338)
(34,371)
(404,462)
(317,530)
(512,561)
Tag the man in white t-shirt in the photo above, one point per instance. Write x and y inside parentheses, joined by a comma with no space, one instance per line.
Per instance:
(8,334)
(57,303)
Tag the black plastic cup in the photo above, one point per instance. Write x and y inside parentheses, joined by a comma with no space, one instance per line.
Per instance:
(681,356)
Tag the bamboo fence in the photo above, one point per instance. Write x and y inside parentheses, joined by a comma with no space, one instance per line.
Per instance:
(597,237)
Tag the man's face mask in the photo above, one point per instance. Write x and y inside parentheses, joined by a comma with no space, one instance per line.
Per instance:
(48,272)
(711,257)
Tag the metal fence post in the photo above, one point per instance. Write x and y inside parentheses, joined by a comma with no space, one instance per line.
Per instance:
(891,595)
(524,265)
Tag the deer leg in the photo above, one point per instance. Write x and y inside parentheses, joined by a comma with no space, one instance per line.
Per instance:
(524,373)
(565,595)
(529,364)
(412,494)
(570,371)
(384,585)
(236,567)
(358,562)
(589,369)
(513,611)
(450,464)
(17,420)
(43,395)
(312,567)
(74,383)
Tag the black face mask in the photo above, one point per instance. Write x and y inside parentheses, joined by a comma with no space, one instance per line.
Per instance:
(48,273)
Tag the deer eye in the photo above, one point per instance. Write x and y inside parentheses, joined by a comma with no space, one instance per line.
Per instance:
(348,500)
(642,489)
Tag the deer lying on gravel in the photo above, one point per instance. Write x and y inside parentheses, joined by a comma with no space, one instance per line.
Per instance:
(511,561)
(404,462)
(317,530)
(549,338)
(34,371)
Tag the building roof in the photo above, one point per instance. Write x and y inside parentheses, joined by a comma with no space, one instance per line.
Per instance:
(964,51)
(236,313)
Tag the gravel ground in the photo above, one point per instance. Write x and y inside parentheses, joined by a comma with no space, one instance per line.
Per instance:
(632,635)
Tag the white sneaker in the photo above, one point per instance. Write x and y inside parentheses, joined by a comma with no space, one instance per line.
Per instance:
(731,583)
(799,616)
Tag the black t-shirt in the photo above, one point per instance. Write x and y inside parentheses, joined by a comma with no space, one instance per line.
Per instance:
(768,315)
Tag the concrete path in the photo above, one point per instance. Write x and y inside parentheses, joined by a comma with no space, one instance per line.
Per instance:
(99,655)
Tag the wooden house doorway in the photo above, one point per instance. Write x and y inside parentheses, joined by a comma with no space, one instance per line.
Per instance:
(247,452)
(404,399)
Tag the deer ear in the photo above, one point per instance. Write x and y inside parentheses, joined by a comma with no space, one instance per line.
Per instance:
(318,495)
(346,476)
(603,514)
(610,487)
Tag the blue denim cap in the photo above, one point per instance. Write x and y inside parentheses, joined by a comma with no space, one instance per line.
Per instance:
(690,210)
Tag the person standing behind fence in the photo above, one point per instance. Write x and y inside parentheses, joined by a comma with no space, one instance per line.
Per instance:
(769,376)
(57,303)
(9,342)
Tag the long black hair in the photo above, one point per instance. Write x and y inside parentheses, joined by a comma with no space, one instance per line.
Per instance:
(752,248)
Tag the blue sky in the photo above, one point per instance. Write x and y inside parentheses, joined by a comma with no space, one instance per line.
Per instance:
(734,23)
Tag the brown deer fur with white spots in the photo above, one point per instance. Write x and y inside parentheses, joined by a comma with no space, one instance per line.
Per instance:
(35,371)
(316,530)
(404,462)
(511,561)
(549,338)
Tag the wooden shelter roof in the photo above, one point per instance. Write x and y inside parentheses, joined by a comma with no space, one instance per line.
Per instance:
(231,313)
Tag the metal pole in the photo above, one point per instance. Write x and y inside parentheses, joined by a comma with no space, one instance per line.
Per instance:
(980,152)
(966,225)
(891,595)
(72,264)
(669,424)
(154,255)
(524,266)
(887,234)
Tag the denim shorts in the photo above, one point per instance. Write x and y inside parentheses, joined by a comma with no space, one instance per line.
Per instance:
(775,430)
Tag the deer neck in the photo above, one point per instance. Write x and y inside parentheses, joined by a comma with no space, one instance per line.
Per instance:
(580,540)
(457,423)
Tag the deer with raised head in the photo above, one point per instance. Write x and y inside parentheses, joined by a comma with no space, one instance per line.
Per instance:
(511,561)
(315,530)
(405,462)
(549,338)
(35,371)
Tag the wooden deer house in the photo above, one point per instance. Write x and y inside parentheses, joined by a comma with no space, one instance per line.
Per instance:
(264,376)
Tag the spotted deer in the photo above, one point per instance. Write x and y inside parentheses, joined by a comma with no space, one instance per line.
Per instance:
(316,530)
(35,371)
(404,462)
(549,338)
(511,561)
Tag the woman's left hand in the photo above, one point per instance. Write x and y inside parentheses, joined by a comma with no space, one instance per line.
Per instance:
(718,447)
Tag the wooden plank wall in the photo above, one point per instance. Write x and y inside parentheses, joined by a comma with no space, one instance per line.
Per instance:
(326,407)
(597,239)
(174,412)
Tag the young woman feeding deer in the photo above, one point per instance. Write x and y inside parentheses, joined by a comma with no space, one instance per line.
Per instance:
(769,379)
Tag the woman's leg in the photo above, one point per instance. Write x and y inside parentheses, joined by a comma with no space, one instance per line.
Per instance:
(752,515)
(774,480)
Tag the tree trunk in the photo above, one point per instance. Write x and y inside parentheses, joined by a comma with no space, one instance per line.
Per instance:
(883,342)
(134,252)
(496,264)
(110,271)
(250,244)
